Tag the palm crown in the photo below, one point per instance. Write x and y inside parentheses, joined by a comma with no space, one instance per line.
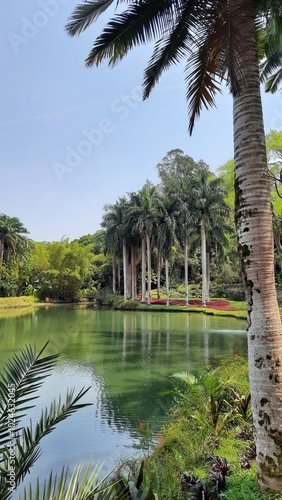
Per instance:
(207,35)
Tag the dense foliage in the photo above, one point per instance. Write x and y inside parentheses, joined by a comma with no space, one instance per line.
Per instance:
(151,238)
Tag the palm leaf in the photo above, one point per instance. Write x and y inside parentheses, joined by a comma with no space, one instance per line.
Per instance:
(28,441)
(172,48)
(202,84)
(22,376)
(85,14)
(142,22)
(79,485)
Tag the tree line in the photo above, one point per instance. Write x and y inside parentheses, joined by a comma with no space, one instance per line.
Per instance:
(168,235)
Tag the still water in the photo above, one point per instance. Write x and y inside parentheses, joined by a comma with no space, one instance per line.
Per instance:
(126,358)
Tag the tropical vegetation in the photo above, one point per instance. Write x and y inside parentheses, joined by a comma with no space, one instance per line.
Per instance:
(151,240)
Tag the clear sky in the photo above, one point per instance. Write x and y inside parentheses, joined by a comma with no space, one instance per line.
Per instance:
(74,139)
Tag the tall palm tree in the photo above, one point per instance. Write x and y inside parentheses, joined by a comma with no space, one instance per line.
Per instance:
(12,240)
(116,244)
(217,39)
(208,200)
(184,222)
(141,218)
(165,237)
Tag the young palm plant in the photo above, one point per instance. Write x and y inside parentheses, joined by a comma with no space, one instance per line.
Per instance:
(20,446)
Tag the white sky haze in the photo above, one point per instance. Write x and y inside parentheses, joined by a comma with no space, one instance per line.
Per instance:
(74,139)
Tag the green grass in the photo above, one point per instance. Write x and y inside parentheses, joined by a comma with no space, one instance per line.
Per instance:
(13,302)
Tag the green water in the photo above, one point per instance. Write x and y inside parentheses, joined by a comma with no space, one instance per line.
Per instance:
(126,359)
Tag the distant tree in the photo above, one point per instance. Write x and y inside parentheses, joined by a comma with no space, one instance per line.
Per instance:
(208,205)
(12,241)
(175,166)
(165,233)
(116,243)
(141,218)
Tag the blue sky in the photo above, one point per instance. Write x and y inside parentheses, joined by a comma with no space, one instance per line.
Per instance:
(74,139)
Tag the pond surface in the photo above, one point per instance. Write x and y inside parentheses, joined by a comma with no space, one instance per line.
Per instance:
(126,358)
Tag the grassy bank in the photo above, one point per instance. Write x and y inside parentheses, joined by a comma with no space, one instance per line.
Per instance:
(215,312)
(15,302)
(208,442)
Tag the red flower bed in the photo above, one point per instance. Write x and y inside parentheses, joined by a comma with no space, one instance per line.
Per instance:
(220,305)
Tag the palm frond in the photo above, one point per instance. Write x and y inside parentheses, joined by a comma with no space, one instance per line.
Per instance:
(142,22)
(271,71)
(172,48)
(85,14)
(27,442)
(22,376)
(202,84)
(79,485)
(185,377)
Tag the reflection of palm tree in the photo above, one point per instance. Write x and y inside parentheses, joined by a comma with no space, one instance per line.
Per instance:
(12,241)
(218,42)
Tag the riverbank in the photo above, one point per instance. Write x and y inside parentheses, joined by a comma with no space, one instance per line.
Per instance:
(216,307)
(207,448)
(16,302)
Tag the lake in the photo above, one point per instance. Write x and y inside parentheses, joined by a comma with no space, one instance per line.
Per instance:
(126,358)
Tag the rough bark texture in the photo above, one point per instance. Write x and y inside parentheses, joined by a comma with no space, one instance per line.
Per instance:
(254,226)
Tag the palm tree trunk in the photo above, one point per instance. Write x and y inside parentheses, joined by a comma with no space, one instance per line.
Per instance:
(143,249)
(118,266)
(254,227)
(204,263)
(167,281)
(149,268)
(186,272)
(114,274)
(129,274)
(1,250)
(159,265)
(208,277)
(124,258)
(133,269)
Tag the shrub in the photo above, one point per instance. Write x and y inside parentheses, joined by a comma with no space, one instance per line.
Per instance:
(230,292)
(127,305)
(106,297)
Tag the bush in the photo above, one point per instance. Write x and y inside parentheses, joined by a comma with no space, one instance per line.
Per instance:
(106,297)
(127,305)
(87,294)
(230,292)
